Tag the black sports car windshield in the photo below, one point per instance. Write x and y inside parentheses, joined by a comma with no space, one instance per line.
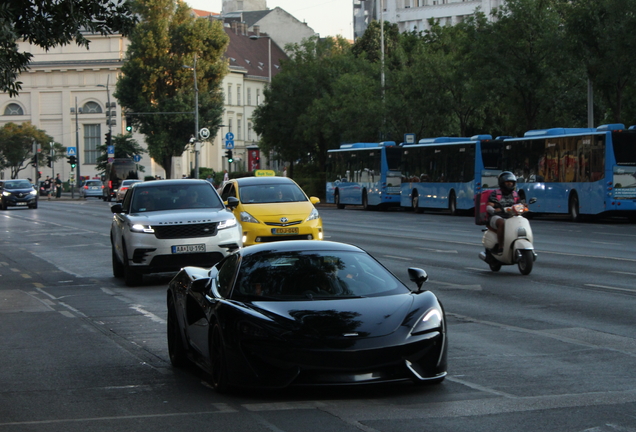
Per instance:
(313,275)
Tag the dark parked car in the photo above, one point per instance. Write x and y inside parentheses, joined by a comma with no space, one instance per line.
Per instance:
(305,313)
(18,193)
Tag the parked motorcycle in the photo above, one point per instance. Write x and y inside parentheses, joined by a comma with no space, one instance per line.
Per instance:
(517,248)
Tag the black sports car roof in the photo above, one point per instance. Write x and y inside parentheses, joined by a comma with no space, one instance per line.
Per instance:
(300,246)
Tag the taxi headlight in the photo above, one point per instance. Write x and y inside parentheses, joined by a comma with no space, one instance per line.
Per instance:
(246,217)
(313,215)
(431,320)
(139,228)
(227,223)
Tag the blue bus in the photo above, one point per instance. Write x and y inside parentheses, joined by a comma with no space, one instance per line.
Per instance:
(572,171)
(439,173)
(366,174)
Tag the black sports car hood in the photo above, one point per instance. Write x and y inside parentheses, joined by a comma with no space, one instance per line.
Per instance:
(359,317)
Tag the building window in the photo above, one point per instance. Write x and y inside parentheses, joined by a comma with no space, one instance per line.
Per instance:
(229,94)
(239,129)
(92,108)
(92,138)
(229,125)
(258,96)
(249,131)
(13,109)
(238,95)
(249,96)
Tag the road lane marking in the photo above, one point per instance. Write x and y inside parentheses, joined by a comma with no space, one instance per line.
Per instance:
(612,288)
(397,257)
(606,243)
(624,273)
(438,250)
(147,314)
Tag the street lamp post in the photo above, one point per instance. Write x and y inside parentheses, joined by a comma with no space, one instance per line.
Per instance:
(197,143)
(109,112)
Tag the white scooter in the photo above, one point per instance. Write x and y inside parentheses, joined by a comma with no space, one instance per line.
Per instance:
(517,247)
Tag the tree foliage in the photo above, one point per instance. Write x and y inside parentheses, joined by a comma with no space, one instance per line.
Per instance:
(525,69)
(49,23)
(156,87)
(16,147)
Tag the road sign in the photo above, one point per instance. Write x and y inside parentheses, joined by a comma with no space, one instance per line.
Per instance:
(229,136)
(409,138)
(71,151)
(136,158)
(111,160)
(229,145)
(204,133)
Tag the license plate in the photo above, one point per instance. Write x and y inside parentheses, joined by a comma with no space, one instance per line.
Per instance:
(21,203)
(188,248)
(284,230)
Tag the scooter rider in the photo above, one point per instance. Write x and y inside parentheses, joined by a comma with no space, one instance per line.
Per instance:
(505,196)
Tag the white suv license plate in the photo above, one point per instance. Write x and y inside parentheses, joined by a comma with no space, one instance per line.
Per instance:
(188,248)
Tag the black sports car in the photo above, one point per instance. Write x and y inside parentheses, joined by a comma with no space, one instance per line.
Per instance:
(305,313)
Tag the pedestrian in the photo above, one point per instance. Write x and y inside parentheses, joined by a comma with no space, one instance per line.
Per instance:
(47,187)
(210,179)
(58,186)
(226,177)
(284,171)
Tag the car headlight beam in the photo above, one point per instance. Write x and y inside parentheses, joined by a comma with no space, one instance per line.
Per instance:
(139,228)
(431,320)
(228,223)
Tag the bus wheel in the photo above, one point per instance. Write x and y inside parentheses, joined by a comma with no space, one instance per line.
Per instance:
(415,203)
(337,199)
(452,204)
(573,208)
(365,201)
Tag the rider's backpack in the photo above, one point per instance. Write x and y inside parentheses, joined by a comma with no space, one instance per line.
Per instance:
(481,204)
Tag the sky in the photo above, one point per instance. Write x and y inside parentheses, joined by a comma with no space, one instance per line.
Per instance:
(326,17)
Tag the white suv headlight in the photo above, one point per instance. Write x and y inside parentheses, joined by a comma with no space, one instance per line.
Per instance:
(139,228)
(227,223)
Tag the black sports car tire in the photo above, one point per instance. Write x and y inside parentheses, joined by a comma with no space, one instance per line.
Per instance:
(218,365)
(176,350)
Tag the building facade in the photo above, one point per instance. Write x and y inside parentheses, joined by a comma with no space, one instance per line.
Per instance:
(412,15)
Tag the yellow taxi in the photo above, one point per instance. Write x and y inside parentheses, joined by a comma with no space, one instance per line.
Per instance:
(272,209)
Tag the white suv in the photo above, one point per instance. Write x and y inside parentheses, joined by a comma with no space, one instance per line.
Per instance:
(164,225)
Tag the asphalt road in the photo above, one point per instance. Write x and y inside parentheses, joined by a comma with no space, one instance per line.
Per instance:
(552,351)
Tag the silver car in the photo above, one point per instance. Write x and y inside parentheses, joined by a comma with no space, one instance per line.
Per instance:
(164,225)
(125,185)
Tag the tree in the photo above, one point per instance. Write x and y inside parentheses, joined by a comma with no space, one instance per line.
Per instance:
(125,147)
(156,85)
(318,100)
(16,146)
(49,23)
(601,37)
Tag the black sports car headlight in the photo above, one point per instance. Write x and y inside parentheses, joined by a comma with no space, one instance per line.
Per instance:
(248,330)
(431,320)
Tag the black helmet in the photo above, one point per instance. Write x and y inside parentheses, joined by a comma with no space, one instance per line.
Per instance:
(504,177)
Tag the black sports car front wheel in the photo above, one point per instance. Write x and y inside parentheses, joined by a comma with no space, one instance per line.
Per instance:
(218,365)
(176,351)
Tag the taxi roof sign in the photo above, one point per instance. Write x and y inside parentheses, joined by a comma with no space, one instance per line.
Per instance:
(264,173)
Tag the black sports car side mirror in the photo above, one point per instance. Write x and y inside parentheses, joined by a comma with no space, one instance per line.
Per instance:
(418,276)
(200,285)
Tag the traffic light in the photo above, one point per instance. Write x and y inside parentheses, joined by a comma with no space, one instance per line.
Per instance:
(73,161)
(109,139)
(228,154)
(128,124)
(34,161)
(39,174)
(49,162)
